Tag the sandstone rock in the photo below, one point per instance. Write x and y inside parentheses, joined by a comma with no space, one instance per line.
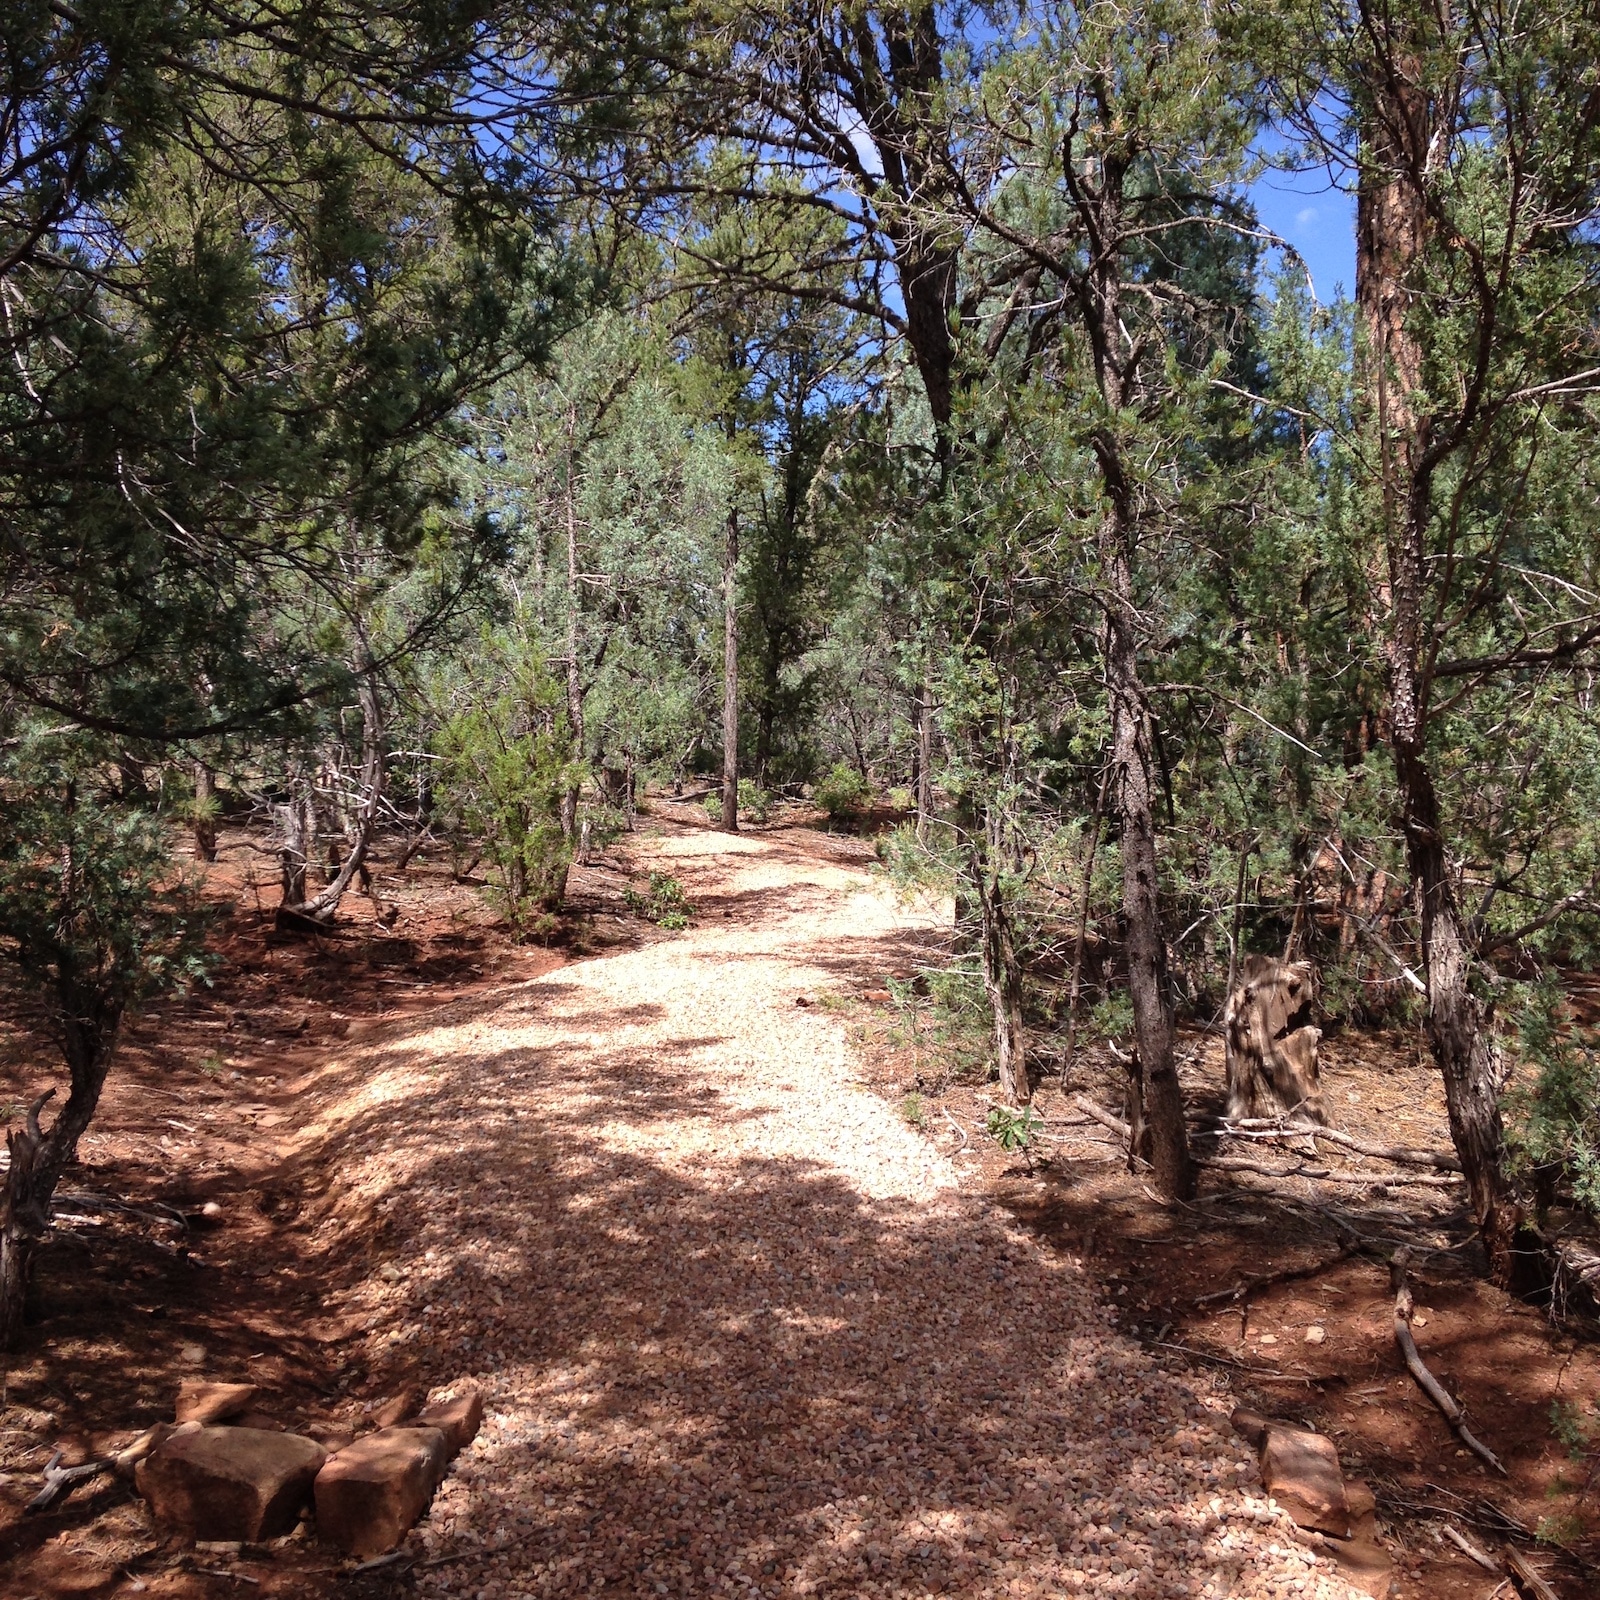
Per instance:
(370,1494)
(1250,1425)
(129,1457)
(200,1401)
(229,1483)
(259,1419)
(397,1410)
(1362,1561)
(1301,1472)
(457,1417)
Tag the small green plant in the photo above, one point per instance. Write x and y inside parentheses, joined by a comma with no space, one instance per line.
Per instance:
(913,1110)
(1112,1018)
(1012,1129)
(842,793)
(210,1066)
(902,799)
(663,903)
(713,806)
(754,802)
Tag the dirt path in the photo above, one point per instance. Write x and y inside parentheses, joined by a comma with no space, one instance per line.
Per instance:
(739,1328)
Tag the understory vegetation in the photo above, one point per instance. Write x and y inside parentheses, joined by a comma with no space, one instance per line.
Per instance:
(451,424)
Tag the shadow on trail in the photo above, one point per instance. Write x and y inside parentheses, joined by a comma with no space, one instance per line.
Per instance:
(730,1369)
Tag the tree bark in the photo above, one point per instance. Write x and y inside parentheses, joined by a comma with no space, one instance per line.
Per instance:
(1391,234)
(205,821)
(925,756)
(1002,971)
(569,800)
(1146,947)
(730,674)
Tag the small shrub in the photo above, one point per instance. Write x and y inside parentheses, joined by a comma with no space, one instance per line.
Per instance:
(842,793)
(1014,1130)
(713,806)
(663,903)
(913,1110)
(1113,1017)
(902,800)
(754,803)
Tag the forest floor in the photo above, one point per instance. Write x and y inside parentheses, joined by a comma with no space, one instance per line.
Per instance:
(741,1325)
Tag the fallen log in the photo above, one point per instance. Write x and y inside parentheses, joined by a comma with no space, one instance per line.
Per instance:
(1404,1306)
(1527,1578)
(1102,1116)
(1323,1174)
(1403,1155)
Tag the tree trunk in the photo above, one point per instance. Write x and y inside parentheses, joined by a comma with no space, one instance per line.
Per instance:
(205,818)
(1002,971)
(730,675)
(38,1158)
(296,847)
(1391,233)
(322,906)
(925,756)
(569,800)
(1141,907)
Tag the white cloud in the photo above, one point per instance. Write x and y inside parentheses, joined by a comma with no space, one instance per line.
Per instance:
(1304,219)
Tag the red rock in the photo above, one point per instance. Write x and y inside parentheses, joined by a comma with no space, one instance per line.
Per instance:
(200,1401)
(230,1483)
(370,1494)
(457,1416)
(1362,1561)
(1301,1472)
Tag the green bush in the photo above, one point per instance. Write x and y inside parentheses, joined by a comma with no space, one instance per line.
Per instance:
(503,772)
(663,903)
(754,803)
(1553,1118)
(843,793)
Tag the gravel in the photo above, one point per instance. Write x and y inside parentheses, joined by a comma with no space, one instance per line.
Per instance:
(739,1329)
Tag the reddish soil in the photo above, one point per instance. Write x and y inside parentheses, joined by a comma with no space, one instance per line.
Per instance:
(1506,1362)
(139,1288)
(200,1108)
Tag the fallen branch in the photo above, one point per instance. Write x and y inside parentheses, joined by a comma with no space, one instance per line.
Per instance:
(1522,1569)
(378,1562)
(1267,1279)
(957,1126)
(1268,1373)
(1323,1174)
(1102,1116)
(1469,1549)
(1403,1155)
(1430,1385)
(58,1479)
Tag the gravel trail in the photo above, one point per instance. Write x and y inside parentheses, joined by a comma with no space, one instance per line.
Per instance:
(739,1328)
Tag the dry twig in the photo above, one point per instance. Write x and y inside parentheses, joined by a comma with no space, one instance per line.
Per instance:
(1469,1549)
(1267,1279)
(58,1479)
(1430,1385)
(1527,1577)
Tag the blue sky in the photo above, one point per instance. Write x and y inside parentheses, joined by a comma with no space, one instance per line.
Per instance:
(1318,218)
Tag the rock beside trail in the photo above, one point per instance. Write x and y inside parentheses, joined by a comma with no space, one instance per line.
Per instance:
(458,1417)
(214,1483)
(1301,1472)
(370,1494)
(203,1402)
